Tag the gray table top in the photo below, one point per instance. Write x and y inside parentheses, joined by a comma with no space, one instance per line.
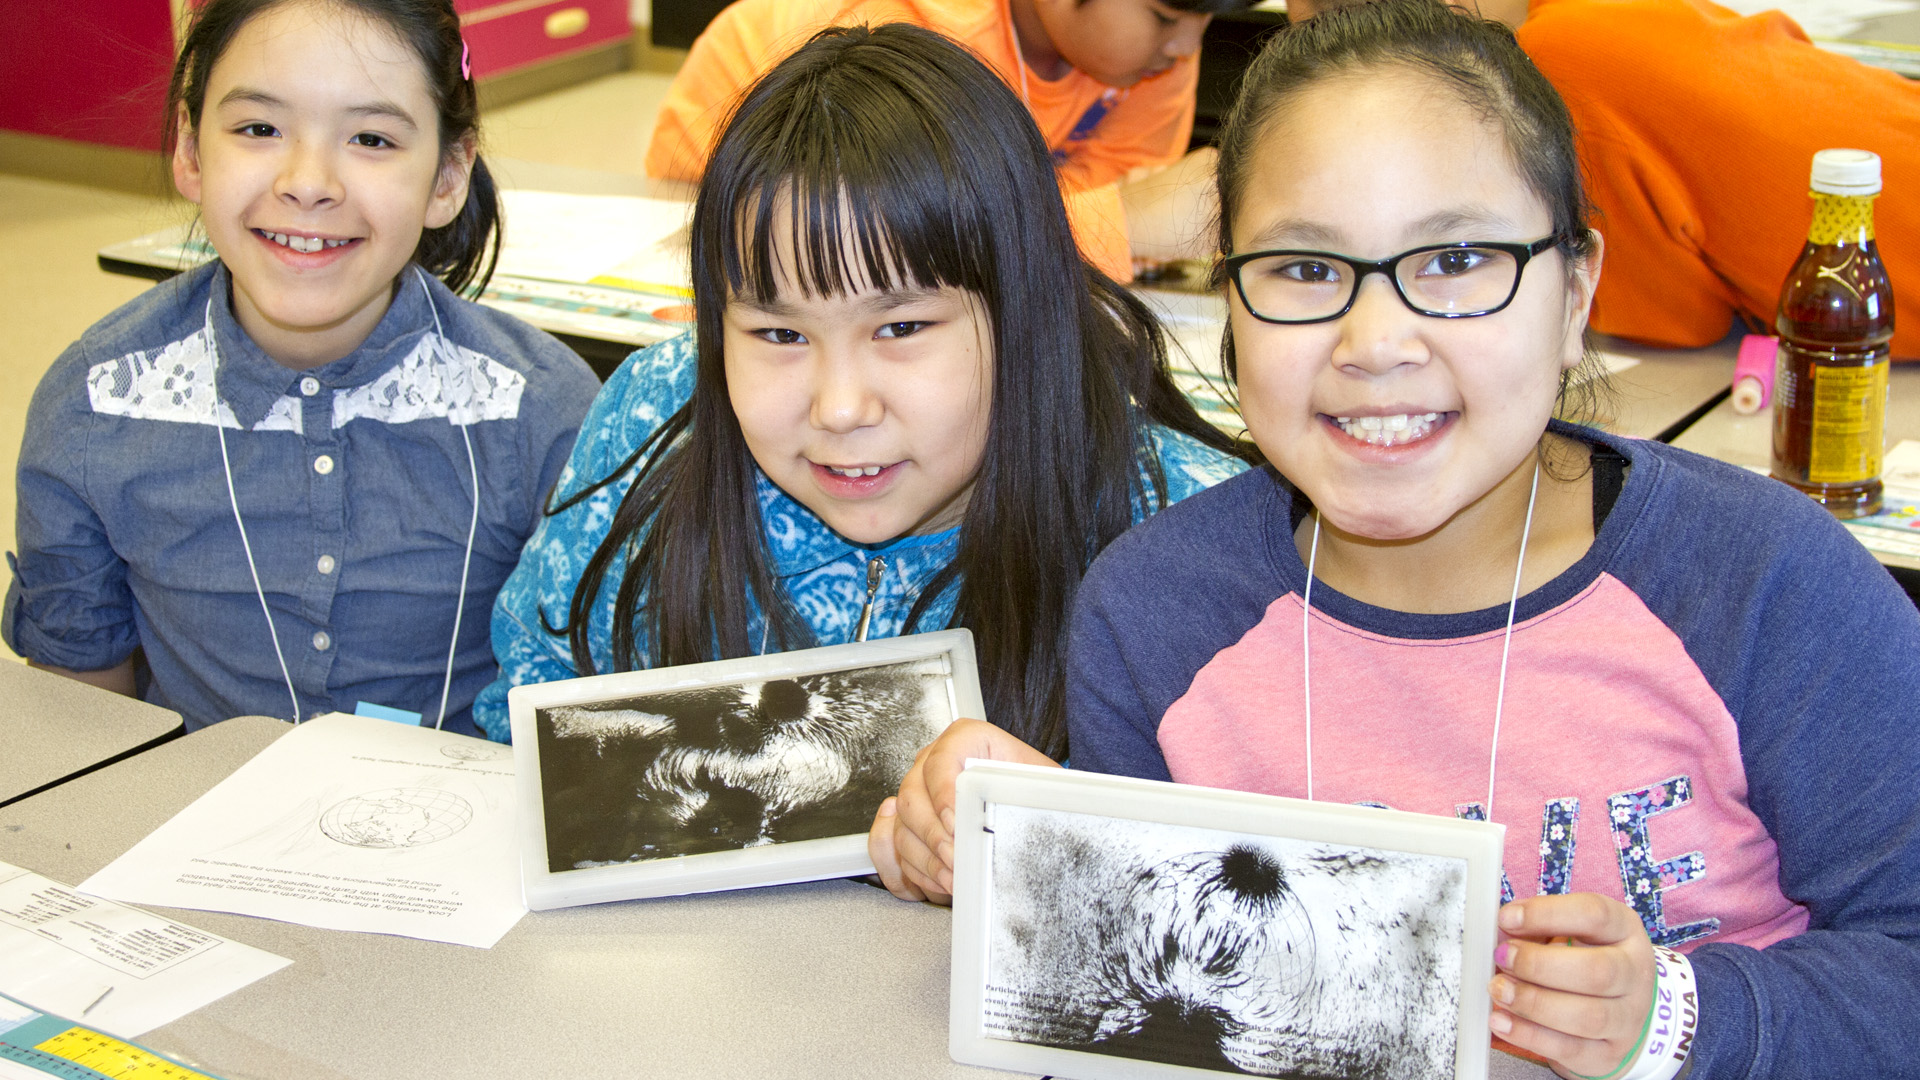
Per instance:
(829,979)
(832,979)
(1666,385)
(53,727)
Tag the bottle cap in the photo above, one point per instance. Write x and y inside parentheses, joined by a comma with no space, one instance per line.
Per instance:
(1846,172)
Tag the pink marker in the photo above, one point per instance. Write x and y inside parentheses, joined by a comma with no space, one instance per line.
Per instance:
(1753,373)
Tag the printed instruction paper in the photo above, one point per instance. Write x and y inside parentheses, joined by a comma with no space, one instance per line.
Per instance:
(345,823)
(127,971)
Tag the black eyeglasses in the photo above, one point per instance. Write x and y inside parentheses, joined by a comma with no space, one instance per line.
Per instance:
(1446,281)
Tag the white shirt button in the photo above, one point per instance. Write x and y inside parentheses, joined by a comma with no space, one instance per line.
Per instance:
(321,642)
(326,564)
(323,464)
(309,386)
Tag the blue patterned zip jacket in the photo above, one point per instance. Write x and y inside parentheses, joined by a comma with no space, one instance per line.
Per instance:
(824,573)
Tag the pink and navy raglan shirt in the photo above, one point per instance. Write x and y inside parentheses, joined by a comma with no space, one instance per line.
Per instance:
(1711,717)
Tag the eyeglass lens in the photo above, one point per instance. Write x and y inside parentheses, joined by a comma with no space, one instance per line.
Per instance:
(1451,281)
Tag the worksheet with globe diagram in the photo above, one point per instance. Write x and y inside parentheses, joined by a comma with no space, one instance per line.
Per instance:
(346,823)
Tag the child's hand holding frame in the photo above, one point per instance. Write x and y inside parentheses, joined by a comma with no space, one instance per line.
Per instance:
(1576,981)
(911,842)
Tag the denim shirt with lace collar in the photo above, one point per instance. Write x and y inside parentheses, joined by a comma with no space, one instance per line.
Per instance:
(352,478)
(824,574)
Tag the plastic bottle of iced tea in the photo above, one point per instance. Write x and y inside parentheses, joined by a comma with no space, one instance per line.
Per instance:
(1835,322)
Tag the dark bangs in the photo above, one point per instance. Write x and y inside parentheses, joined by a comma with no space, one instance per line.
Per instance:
(847,221)
(866,155)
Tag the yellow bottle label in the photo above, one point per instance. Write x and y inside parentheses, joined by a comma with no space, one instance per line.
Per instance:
(1849,419)
(109,1056)
(1841,219)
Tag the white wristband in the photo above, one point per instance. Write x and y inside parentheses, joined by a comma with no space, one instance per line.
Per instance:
(1674,1020)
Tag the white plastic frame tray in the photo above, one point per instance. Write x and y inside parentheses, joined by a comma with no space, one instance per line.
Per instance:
(763,770)
(1108,928)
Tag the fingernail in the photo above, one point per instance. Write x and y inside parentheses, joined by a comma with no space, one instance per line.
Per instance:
(1503,956)
(888,808)
(1500,1022)
(946,819)
(1512,917)
(1502,991)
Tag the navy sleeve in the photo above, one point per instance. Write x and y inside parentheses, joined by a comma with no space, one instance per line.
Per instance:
(68,604)
(1816,652)
(1110,729)
(1155,607)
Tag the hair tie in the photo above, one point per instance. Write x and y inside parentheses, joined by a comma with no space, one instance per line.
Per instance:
(466,60)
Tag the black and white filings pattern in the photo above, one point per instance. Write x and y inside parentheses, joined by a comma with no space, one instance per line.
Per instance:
(1222,950)
(1221,947)
(733,766)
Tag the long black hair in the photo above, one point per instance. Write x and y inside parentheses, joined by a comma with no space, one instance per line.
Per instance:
(915,149)
(462,252)
(1477,59)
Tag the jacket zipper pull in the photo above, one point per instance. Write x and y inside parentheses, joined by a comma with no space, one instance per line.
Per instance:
(876,569)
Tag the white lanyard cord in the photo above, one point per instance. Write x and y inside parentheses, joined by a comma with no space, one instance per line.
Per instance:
(1306,658)
(233,500)
(473,523)
(1506,644)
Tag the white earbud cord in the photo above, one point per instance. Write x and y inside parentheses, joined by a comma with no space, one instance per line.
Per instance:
(1506,644)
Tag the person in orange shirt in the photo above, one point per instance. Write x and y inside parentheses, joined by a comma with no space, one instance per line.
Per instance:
(1109,82)
(1698,127)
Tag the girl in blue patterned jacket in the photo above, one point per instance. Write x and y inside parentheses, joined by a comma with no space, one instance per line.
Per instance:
(908,396)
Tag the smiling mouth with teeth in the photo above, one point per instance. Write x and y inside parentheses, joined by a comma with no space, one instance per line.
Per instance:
(1389,430)
(855,471)
(306,245)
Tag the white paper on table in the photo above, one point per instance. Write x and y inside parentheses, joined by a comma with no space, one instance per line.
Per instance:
(65,950)
(345,823)
(555,236)
(1613,363)
(1900,469)
(1826,18)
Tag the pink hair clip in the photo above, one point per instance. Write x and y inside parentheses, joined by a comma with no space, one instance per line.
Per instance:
(466,60)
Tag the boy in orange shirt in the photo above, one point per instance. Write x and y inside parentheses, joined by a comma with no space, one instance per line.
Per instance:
(1109,82)
(1697,130)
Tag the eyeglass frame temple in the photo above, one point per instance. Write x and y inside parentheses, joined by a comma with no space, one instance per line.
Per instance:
(1522,255)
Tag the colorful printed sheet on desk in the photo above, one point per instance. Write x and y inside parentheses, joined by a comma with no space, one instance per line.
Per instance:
(1895,530)
(609,267)
(345,823)
(633,316)
(36,1045)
